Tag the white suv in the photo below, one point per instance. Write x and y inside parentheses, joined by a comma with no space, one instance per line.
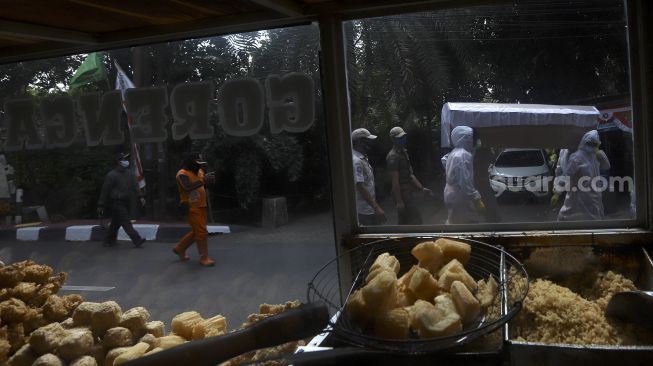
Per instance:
(521,170)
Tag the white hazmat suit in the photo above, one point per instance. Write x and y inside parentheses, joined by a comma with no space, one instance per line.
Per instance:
(460,195)
(582,201)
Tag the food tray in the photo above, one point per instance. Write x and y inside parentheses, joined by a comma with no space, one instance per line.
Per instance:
(631,261)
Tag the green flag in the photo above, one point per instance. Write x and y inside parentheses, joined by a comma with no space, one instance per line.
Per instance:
(91,70)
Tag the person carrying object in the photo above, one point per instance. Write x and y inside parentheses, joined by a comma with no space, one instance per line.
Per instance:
(462,199)
(119,187)
(404,182)
(191,180)
(583,202)
(369,211)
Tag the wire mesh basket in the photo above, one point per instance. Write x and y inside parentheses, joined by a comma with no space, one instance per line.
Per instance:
(485,261)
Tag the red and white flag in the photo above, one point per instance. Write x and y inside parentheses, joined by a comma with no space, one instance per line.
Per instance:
(123,83)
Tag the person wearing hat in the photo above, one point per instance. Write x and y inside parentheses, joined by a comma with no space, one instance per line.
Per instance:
(404,182)
(119,187)
(191,179)
(369,211)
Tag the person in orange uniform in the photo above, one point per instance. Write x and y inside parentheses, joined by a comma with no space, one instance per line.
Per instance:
(191,180)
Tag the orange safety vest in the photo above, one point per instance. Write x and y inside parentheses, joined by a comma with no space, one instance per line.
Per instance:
(196,197)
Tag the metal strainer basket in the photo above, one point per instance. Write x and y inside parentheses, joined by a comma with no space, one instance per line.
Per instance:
(485,260)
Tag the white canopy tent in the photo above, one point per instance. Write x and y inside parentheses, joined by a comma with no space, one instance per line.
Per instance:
(520,125)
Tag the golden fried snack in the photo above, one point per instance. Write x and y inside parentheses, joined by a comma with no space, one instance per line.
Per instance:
(429,255)
(466,304)
(395,324)
(404,280)
(42,294)
(453,249)
(422,284)
(454,271)
(37,273)
(25,291)
(438,320)
(13,311)
(71,302)
(47,338)
(385,260)
(55,309)
(375,272)
(183,323)
(57,281)
(15,334)
(76,343)
(98,353)
(117,337)
(49,359)
(405,297)
(84,361)
(10,276)
(210,327)
(5,348)
(132,353)
(170,341)
(149,339)
(487,291)
(25,356)
(156,328)
(134,319)
(380,294)
(357,308)
(68,323)
(277,309)
(83,313)
(106,315)
(111,356)
(34,320)
(5,294)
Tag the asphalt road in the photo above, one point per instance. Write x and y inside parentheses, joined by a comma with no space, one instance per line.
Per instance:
(254,266)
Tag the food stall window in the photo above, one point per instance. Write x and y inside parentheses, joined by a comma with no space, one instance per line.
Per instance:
(249,103)
(481,117)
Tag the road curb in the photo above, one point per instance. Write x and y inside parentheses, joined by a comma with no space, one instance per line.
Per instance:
(82,233)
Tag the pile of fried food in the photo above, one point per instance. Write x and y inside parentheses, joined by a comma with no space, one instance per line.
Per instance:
(40,328)
(434,298)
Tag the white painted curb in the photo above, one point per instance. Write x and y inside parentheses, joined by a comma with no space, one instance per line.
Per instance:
(216,229)
(147,231)
(28,233)
(79,232)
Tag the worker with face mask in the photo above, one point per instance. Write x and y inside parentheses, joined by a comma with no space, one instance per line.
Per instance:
(583,202)
(117,191)
(191,179)
(462,199)
(404,182)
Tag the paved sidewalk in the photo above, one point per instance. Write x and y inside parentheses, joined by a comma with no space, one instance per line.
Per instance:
(91,230)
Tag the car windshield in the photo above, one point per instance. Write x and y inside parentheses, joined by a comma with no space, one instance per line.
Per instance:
(520,158)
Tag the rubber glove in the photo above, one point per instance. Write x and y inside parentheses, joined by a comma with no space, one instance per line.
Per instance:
(480,206)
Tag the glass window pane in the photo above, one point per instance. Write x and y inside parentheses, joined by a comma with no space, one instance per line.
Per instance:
(494,102)
(249,103)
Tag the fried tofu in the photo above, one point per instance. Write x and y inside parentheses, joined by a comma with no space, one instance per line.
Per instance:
(487,291)
(395,324)
(454,271)
(422,284)
(467,305)
(429,255)
(453,249)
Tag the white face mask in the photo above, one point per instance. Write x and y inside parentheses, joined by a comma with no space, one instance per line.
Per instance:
(124,163)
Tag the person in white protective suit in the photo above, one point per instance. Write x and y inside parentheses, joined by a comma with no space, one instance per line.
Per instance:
(461,197)
(583,202)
